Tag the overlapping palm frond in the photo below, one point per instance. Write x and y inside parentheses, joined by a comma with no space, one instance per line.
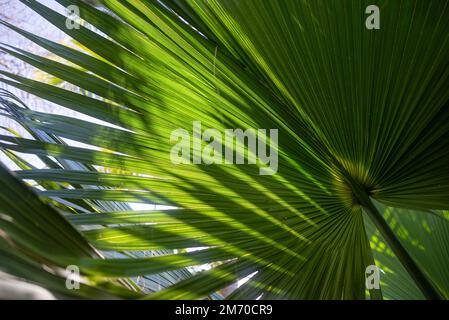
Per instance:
(361,115)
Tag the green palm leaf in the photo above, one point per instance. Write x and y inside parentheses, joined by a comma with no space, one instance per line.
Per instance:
(361,115)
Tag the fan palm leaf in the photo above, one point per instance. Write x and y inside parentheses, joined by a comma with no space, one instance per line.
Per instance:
(361,115)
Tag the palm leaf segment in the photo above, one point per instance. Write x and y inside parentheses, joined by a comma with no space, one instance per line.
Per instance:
(361,114)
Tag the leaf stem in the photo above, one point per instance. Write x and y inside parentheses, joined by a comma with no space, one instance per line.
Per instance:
(423,283)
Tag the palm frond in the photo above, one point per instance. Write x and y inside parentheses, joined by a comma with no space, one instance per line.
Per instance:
(361,115)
